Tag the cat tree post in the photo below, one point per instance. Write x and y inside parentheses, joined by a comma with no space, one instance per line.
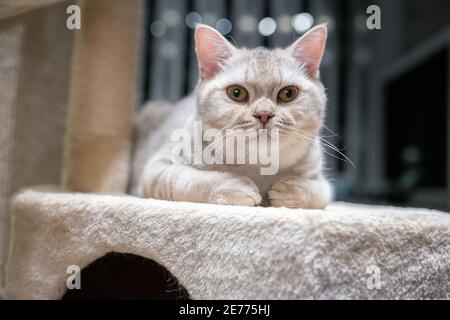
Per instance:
(102,97)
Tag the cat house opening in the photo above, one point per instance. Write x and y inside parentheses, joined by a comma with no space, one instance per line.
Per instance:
(126,276)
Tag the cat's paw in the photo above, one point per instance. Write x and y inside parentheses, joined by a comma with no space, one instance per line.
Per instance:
(239,191)
(299,193)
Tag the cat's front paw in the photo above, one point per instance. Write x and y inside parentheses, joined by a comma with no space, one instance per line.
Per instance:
(299,193)
(239,191)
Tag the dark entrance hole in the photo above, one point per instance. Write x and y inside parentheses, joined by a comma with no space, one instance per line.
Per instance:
(126,276)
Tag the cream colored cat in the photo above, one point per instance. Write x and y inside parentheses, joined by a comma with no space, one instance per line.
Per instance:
(249,90)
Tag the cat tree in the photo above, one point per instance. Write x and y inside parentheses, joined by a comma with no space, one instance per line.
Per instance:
(216,252)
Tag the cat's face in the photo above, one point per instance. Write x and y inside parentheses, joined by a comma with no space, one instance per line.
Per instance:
(259,88)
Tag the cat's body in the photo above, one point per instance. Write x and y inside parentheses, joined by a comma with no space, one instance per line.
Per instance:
(249,90)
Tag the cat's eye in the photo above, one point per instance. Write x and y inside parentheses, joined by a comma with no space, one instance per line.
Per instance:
(237,93)
(287,94)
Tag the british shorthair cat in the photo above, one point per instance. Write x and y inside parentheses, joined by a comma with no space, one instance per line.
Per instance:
(276,93)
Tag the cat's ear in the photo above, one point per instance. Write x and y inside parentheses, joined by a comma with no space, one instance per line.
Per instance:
(212,50)
(309,49)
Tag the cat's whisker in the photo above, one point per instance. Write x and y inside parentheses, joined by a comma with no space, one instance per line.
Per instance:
(332,146)
(216,142)
(330,154)
(287,132)
(322,138)
(337,150)
(222,141)
(232,40)
(334,134)
(330,136)
(339,158)
(223,137)
(325,143)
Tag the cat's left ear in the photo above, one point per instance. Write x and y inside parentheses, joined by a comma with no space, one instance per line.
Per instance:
(309,49)
(212,50)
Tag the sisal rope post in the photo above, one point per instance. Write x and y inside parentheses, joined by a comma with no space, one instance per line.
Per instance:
(102,97)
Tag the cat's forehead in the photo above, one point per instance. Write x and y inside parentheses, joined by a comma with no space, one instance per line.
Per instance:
(263,67)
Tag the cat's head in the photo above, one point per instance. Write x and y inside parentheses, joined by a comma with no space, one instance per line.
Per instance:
(260,88)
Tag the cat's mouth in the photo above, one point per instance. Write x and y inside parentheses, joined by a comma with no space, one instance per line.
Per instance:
(260,129)
(263,130)
(255,127)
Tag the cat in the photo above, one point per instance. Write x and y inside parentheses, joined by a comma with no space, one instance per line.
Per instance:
(249,89)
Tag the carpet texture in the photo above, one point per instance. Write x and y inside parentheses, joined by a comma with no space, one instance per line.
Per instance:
(9,8)
(228,252)
(33,104)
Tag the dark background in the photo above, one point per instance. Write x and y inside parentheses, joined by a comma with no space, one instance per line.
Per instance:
(388,105)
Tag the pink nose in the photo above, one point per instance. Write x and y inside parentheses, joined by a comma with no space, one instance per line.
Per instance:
(263,116)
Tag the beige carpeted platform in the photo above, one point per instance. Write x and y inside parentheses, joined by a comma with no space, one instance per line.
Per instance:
(227,252)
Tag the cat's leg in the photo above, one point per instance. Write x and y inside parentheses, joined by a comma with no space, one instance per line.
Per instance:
(298,192)
(179,182)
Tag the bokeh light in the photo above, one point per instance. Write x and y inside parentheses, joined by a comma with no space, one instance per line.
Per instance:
(224,26)
(158,28)
(301,22)
(192,18)
(267,26)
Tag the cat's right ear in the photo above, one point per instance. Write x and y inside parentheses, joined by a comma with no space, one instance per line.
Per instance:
(212,50)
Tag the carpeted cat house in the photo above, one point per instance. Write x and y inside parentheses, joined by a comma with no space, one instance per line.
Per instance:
(215,252)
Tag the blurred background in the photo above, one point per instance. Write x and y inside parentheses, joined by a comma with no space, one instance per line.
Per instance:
(388,89)
(388,110)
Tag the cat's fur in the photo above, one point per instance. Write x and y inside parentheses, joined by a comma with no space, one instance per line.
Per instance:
(300,181)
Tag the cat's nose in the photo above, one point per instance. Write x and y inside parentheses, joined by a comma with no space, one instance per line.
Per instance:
(263,116)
